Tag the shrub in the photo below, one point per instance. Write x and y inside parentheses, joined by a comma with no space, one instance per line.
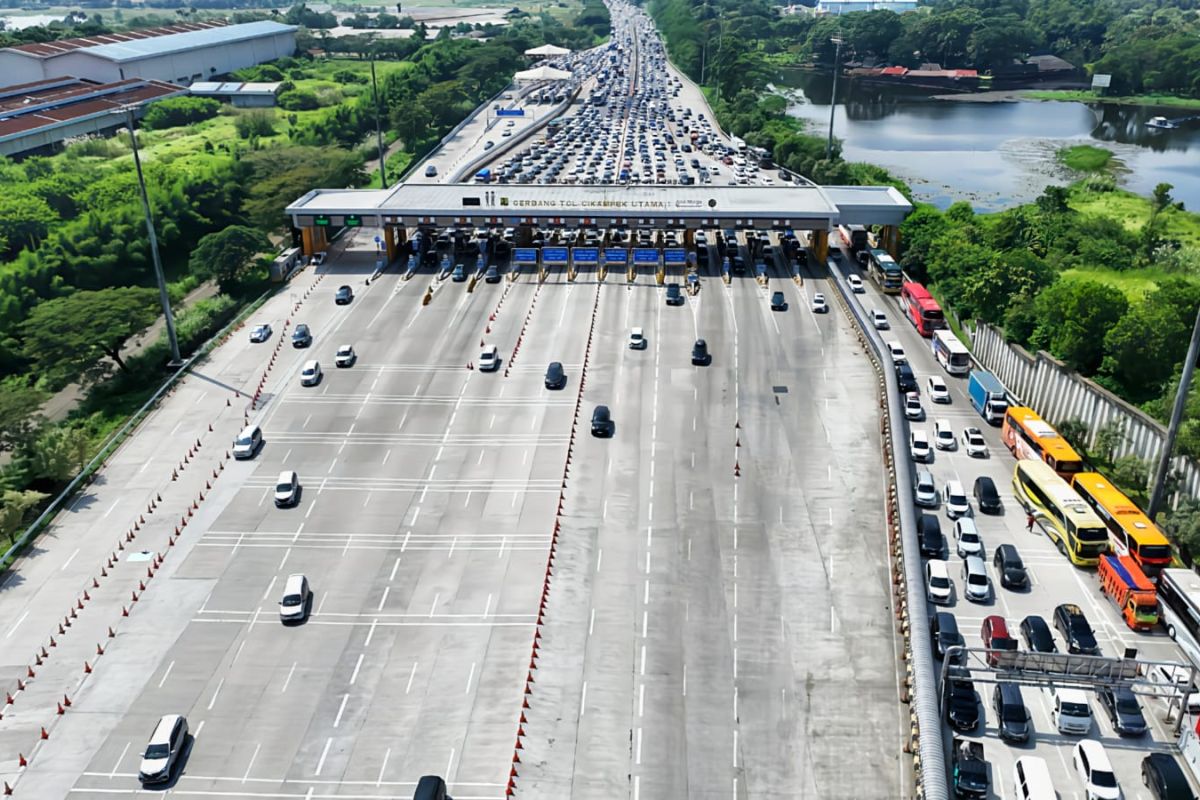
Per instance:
(258,122)
(299,100)
(202,320)
(176,111)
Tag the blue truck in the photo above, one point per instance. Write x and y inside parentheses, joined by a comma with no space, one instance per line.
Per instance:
(987,396)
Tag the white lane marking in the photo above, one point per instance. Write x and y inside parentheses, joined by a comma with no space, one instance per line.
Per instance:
(470,677)
(67,563)
(283,560)
(383,599)
(110,510)
(308,418)
(449,762)
(370,632)
(121,758)
(583,699)
(488,607)
(599,559)
(387,754)
(480,459)
(213,701)
(337,720)
(642,669)
(250,766)
(395,567)
(238,654)
(291,671)
(17,624)
(592,622)
(321,762)
(386,456)
(685,680)
(411,675)
(638,757)
(641,700)
(270,586)
(199,728)
(357,667)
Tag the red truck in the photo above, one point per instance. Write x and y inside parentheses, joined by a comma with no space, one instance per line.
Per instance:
(1124,582)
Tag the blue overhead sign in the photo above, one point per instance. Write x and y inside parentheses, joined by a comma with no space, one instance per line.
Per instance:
(554,255)
(510,112)
(616,255)
(525,255)
(585,255)
(645,255)
(675,256)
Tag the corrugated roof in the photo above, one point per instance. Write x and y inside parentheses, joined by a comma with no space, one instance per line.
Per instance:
(175,43)
(234,87)
(47,49)
(50,111)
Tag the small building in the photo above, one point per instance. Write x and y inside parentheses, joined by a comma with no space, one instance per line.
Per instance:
(180,54)
(37,117)
(241,95)
(837,7)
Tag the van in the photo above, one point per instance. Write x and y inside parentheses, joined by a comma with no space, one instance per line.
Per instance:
(287,489)
(310,375)
(163,750)
(1011,715)
(489,359)
(1031,779)
(1071,713)
(637,339)
(248,442)
(294,605)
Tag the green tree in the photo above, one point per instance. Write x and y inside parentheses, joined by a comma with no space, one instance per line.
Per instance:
(225,254)
(1183,525)
(298,100)
(1109,438)
(277,176)
(1076,432)
(24,219)
(67,336)
(14,505)
(19,414)
(255,122)
(61,452)
(1132,475)
(174,112)
(1073,318)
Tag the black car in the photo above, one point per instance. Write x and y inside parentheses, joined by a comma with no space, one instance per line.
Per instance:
(492,275)
(906,378)
(674,295)
(986,496)
(1123,710)
(344,295)
(929,533)
(1164,778)
(602,424)
(1010,567)
(1011,715)
(700,354)
(460,273)
(739,264)
(1075,629)
(556,378)
(301,337)
(778,302)
(961,704)
(943,629)
(1037,635)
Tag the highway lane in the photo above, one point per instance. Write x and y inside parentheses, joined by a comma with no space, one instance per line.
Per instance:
(1053,577)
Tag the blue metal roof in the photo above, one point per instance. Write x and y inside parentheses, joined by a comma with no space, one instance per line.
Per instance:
(192,40)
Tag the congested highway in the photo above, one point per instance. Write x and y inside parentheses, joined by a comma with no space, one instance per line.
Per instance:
(1053,580)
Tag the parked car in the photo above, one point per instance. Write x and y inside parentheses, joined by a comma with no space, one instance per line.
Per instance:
(976,586)
(1163,776)
(1012,717)
(1037,636)
(996,638)
(961,704)
(929,533)
(943,629)
(1008,564)
(924,489)
(938,586)
(966,538)
(918,446)
(1075,629)
(986,495)
(955,500)
(1095,771)
(1123,709)
(973,443)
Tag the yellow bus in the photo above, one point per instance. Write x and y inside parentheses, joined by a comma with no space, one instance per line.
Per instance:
(1064,517)
(1129,529)
(1029,436)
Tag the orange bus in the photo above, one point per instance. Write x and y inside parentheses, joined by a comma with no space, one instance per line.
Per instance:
(1129,529)
(1029,436)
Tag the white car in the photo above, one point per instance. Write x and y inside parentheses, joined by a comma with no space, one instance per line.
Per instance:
(938,587)
(879,319)
(818,303)
(310,375)
(955,500)
(966,538)
(856,284)
(924,489)
(345,356)
(912,406)
(939,392)
(489,359)
(943,435)
(1099,780)
(896,352)
(973,443)
(918,446)
(260,333)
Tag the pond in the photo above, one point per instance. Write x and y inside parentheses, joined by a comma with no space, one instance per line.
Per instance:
(994,154)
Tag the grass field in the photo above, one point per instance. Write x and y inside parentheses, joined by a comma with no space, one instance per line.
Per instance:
(1079,96)
(1085,157)
(1133,283)
(1132,211)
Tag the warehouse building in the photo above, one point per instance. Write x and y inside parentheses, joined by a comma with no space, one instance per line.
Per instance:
(180,54)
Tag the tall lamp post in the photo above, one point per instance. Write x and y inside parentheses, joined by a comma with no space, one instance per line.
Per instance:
(383,182)
(837,60)
(163,298)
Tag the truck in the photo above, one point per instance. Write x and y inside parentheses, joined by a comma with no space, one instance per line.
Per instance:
(1123,581)
(968,770)
(987,396)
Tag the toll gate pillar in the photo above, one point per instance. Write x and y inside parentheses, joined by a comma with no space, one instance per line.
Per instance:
(393,239)
(820,245)
(889,238)
(313,240)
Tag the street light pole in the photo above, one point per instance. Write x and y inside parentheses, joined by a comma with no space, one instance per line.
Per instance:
(837,60)
(383,182)
(163,298)
(1164,459)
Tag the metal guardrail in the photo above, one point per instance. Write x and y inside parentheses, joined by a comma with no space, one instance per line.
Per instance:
(116,439)
(929,758)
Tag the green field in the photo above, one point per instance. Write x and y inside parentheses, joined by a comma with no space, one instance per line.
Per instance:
(1085,157)
(1080,96)
(1133,210)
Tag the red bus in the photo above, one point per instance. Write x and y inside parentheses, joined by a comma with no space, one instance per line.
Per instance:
(922,310)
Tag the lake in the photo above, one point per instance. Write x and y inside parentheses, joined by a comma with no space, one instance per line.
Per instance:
(994,155)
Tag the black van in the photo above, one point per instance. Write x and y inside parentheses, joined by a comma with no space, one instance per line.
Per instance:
(1010,567)
(929,532)
(1011,714)
(430,787)
(906,378)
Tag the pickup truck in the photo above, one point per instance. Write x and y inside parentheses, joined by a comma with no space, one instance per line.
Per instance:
(968,770)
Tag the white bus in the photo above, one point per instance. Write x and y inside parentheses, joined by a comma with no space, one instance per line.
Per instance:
(951,353)
(1179,609)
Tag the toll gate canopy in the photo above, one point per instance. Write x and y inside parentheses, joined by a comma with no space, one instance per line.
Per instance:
(809,207)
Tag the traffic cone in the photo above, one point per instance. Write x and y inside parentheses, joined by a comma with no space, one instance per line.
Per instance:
(21,762)
(66,701)
(61,710)
(87,668)
(45,734)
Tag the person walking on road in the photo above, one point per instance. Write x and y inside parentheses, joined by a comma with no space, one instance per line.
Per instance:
(1029,520)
